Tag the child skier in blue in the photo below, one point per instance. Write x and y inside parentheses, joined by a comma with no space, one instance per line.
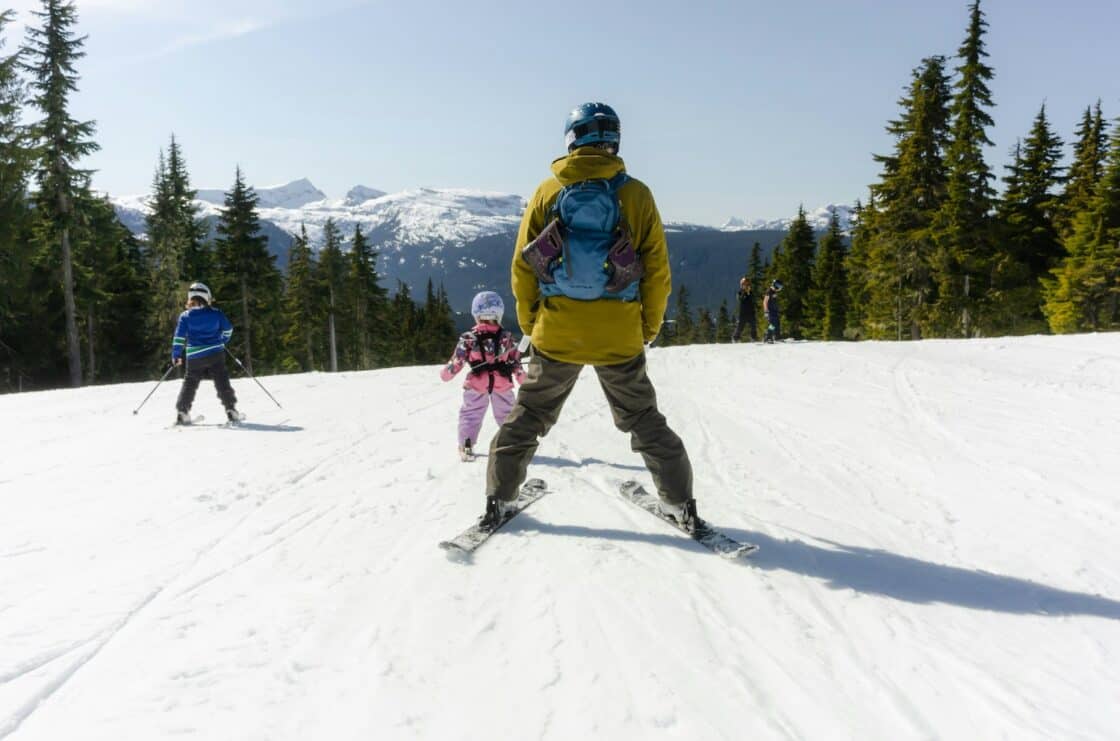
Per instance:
(493,358)
(200,341)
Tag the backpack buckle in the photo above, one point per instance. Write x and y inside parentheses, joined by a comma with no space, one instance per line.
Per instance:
(622,264)
(545,253)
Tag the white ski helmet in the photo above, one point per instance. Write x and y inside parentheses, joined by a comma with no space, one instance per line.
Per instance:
(199,290)
(488,305)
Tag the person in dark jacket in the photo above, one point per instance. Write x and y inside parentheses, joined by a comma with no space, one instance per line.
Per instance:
(200,343)
(746,311)
(773,313)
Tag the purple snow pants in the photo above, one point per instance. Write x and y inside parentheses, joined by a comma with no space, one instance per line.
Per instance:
(473,411)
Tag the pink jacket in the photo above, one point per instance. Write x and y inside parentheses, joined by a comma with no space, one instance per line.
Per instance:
(493,357)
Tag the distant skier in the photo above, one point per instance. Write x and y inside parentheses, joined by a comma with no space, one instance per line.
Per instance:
(591,275)
(200,339)
(494,361)
(772,310)
(746,311)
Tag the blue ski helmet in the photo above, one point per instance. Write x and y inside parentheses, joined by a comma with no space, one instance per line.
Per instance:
(777,285)
(488,305)
(592,123)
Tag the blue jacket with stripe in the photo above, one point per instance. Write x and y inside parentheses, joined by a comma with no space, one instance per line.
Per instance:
(202,331)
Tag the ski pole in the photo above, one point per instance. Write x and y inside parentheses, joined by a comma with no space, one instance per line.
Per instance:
(161,380)
(250,375)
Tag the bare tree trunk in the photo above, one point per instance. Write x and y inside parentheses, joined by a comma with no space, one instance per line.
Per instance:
(333,341)
(92,370)
(245,322)
(73,349)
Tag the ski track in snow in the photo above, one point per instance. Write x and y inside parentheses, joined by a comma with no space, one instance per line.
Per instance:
(295,590)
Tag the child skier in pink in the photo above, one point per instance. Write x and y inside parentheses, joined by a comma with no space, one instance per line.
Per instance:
(494,364)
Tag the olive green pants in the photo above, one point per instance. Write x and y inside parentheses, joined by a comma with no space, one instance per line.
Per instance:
(633,405)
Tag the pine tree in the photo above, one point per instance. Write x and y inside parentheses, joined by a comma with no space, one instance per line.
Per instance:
(705,327)
(1030,245)
(685,325)
(796,273)
(332,279)
(198,262)
(15,163)
(112,293)
(1089,152)
(856,269)
(894,246)
(437,326)
(247,271)
(49,57)
(1084,291)
(724,326)
(404,321)
(965,229)
(368,303)
(756,268)
(830,285)
(301,307)
(165,254)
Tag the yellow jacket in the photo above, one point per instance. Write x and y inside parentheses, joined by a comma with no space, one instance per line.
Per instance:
(603,331)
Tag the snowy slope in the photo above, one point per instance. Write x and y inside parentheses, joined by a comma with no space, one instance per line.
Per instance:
(938,526)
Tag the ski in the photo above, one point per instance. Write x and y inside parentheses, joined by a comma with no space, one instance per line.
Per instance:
(703,533)
(475,535)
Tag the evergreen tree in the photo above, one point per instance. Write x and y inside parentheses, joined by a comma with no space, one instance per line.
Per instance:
(1089,152)
(965,227)
(856,268)
(724,326)
(685,325)
(165,255)
(796,273)
(332,279)
(404,322)
(369,305)
(1084,291)
(437,327)
(15,257)
(197,260)
(756,268)
(248,272)
(301,307)
(113,295)
(705,327)
(829,305)
(895,245)
(1030,244)
(49,57)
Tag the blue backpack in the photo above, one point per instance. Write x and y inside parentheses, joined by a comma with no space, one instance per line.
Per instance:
(586,252)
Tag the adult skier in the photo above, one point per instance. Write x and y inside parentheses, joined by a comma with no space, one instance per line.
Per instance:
(590,273)
(773,312)
(746,311)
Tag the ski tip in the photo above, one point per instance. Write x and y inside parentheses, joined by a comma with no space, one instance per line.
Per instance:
(454,553)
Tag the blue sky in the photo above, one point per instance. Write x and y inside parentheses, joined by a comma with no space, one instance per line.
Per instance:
(731,108)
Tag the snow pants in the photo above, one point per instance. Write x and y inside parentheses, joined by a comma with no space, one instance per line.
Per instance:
(212,367)
(774,332)
(633,405)
(473,411)
(745,320)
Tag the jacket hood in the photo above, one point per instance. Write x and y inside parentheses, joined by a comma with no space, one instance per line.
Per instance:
(585,163)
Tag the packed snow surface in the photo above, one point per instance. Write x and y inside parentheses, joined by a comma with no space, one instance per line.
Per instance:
(938,528)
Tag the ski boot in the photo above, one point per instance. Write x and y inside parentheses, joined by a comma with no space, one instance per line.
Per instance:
(496,511)
(182,418)
(684,513)
(466,452)
(233,416)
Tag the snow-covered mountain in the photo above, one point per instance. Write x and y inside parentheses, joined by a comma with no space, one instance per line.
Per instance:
(938,560)
(818,218)
(423,216)
(291,195)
